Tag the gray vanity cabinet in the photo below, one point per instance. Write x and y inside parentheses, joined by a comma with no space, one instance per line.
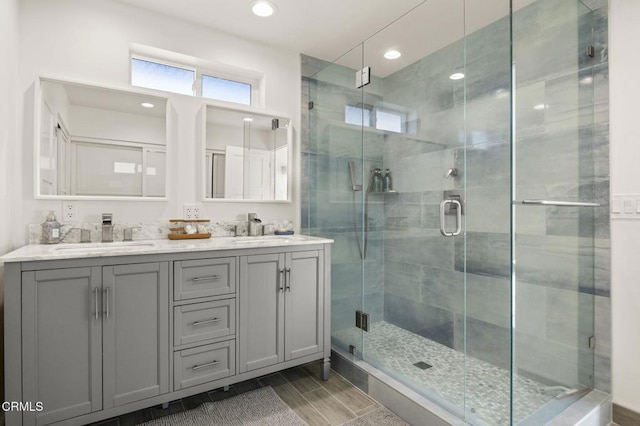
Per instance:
(135,332)
(61,343)
(281,307)
(94,338)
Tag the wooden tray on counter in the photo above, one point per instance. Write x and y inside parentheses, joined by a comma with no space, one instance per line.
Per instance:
(188,236)
(179,234)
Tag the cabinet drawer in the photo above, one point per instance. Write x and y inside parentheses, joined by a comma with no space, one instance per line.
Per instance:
(204,321)
(204,364)
(203,278)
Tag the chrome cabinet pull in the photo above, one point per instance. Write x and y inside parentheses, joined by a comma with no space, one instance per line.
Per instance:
(106,314)
(95,297)
(209,364)
(282,278)
(209,278)
(209,321)
(287,282)
(443,206)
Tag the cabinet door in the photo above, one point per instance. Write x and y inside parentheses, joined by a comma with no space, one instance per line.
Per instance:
(304,304)
(261,311)
(62,343)
(136,332)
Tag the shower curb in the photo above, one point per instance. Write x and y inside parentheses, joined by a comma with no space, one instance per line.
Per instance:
(595,408)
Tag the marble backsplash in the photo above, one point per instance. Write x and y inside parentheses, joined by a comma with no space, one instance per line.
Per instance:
(154,230)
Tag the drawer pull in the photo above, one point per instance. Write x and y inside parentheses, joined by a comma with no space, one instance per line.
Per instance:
(209,364)
(210,278)
(197,323)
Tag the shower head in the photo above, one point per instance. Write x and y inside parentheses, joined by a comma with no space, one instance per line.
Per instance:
(452,172)
(352,170)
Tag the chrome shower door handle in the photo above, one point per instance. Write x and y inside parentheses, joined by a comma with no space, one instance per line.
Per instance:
(443,206)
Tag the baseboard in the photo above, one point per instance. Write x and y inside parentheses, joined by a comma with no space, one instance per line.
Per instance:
(625,417)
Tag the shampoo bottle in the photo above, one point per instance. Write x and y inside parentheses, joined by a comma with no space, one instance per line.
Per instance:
(51,229)
(387,183)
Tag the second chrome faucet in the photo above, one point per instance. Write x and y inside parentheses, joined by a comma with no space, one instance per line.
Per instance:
(255,227)
(107,227)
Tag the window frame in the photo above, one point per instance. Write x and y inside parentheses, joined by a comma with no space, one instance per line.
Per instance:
(187,67)
(222,76)
(225,72)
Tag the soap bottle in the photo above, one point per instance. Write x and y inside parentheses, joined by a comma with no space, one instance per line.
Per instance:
(387,183)
(51,229)
(377,180)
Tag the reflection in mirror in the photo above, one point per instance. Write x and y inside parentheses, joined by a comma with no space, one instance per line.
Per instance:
(95,141)
(246,155)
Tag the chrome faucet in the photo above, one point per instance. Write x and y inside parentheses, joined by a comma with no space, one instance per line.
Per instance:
(254,225)
(128,233)
(107,227)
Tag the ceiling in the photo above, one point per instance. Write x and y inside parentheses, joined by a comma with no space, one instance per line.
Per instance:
(326,29)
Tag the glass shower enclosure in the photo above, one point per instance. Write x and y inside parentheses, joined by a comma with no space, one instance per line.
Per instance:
(461,184)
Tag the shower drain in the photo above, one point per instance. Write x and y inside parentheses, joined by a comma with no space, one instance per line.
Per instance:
(422,365)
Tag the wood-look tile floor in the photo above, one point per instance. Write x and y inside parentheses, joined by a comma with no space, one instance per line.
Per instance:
(317,402)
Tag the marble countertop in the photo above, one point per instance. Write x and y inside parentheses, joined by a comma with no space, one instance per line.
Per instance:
(35,252)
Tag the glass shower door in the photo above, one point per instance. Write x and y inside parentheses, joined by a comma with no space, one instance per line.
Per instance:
(414,275)
(440,125)
(332,193)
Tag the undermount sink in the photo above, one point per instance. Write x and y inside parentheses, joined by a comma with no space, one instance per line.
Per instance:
(102,246)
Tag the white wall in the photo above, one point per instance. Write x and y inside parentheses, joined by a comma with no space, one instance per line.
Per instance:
(624,68)
(89,42)
(8,142)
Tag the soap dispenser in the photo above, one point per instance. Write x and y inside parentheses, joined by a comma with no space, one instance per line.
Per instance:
(50,229)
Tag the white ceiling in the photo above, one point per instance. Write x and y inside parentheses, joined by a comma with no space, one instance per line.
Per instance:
(322,28)
(327,29)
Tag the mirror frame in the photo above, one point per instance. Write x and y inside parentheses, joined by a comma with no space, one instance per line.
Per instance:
(37,107)
(201,135)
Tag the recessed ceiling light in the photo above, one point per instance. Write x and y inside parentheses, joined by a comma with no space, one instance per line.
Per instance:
(263,8)
(540,107)
(456,76)
(392,54)
(248,119)
(147,104)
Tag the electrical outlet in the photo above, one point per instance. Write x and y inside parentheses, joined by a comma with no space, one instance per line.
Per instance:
(191,211)
(69,211)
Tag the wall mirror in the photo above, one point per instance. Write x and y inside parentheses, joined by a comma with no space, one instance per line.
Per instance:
(246,155)
(99,142)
